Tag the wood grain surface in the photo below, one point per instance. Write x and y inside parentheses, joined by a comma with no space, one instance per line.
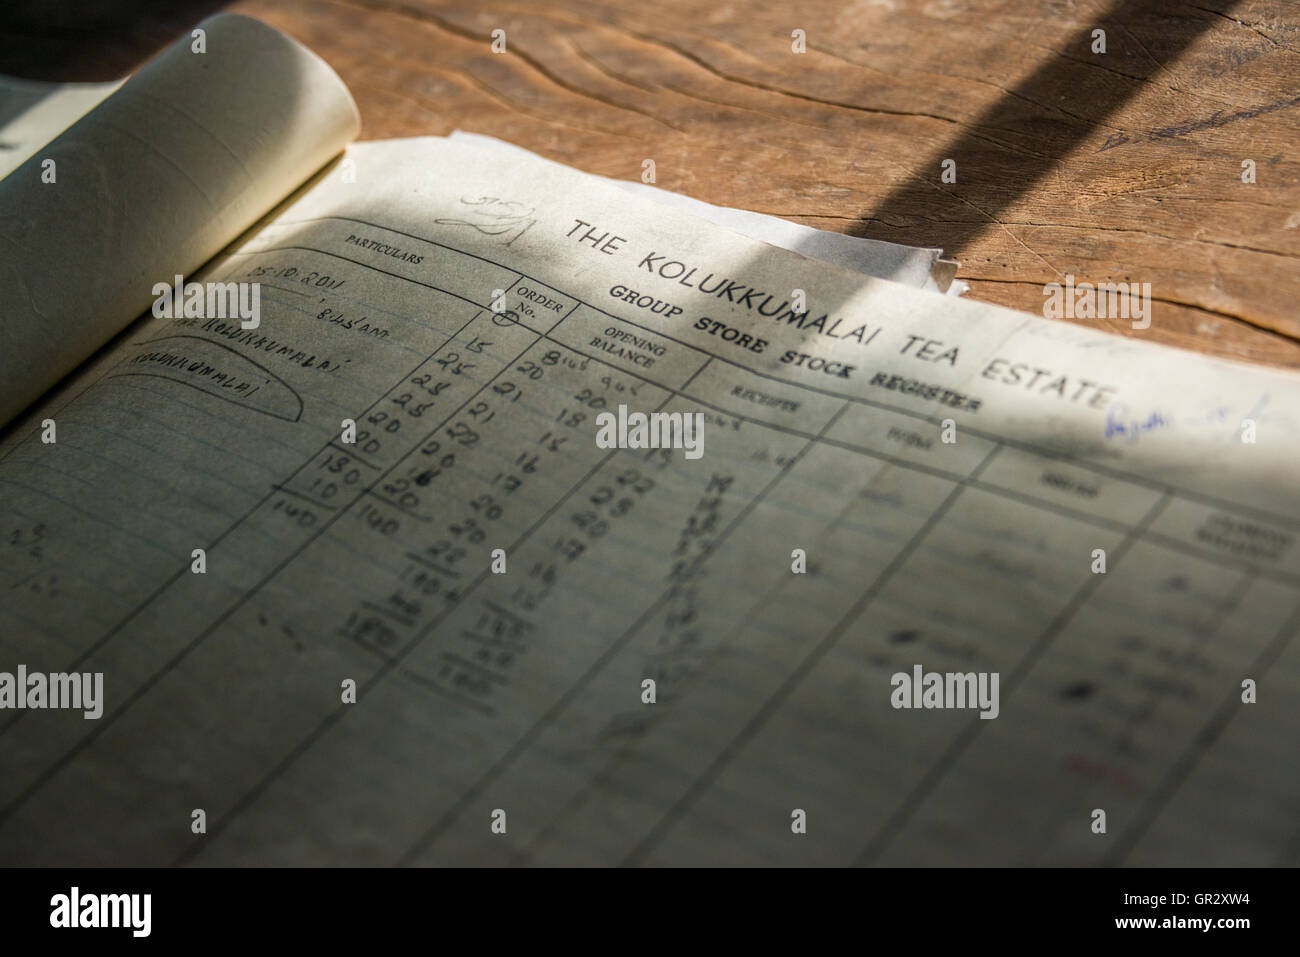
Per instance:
(1122,166)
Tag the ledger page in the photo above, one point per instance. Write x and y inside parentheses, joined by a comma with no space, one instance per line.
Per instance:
(395,579)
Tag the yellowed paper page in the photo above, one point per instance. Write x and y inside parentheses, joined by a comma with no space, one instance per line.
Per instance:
(34,112)
(158,178)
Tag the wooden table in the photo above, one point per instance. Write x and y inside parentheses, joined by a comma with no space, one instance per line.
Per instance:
(1125,165)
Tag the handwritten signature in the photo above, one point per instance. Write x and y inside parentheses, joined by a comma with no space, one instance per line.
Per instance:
(1118,422)
(493,216)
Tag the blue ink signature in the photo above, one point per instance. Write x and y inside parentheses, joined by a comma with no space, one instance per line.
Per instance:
(1119,423)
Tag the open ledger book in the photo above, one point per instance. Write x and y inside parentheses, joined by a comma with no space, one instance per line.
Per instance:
(360,585)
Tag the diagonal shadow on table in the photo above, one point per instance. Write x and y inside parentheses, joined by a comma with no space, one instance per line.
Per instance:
(1004,153)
